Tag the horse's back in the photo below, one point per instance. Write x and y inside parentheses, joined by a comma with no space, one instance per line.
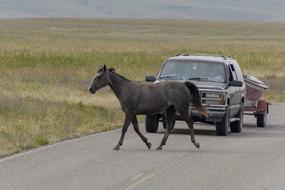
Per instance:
(173,87)
(175,93)
(157,97)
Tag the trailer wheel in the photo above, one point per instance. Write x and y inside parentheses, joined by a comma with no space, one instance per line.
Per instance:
(261,119)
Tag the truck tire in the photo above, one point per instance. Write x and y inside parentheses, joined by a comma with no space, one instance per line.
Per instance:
(236,126)
(151,123)
(261,119)
(222,127)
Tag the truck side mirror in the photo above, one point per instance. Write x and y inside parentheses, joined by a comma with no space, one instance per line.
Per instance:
(149,78)
(236,83)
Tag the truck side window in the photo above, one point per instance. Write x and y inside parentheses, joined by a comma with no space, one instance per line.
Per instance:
(238,71)
(233,72)
(230,74)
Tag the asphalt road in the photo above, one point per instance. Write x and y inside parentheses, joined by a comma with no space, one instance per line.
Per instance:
(254,159)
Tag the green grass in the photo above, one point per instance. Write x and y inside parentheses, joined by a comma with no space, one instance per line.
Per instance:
(46,66)
(28,122)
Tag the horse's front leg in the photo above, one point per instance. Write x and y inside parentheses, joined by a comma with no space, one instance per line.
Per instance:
(126,124)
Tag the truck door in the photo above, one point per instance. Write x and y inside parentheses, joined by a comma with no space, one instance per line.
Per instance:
(235,92)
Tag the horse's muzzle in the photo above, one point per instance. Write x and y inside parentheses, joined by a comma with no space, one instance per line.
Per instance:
(92,91)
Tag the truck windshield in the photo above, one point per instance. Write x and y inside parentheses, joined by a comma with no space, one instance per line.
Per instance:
(193,70)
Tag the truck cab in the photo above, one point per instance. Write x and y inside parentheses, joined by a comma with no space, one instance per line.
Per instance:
(221,86)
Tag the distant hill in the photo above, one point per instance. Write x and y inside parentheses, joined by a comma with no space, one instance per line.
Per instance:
(238,10)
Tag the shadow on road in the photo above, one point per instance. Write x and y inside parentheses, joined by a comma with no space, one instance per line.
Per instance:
(210,131)
(249,125)
(205,132)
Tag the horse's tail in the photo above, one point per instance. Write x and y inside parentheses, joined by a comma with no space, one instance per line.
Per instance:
(196,100)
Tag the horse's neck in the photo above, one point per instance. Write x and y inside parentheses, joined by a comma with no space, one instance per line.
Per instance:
(117,84)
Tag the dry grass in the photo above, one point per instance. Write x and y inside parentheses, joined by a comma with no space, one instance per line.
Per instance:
(46,66)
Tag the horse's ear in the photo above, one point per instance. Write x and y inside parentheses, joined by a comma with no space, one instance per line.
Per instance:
(112,69)
(104,68)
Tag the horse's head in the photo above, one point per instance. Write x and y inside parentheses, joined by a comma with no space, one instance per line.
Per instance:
(100,80)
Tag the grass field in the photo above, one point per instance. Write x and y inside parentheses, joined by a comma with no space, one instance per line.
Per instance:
(46,66)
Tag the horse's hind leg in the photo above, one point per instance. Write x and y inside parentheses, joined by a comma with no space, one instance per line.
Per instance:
(136,127)
(189,121)
(124,130)
(169,116)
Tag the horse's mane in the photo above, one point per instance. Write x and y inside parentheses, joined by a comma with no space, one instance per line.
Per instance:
(113,71)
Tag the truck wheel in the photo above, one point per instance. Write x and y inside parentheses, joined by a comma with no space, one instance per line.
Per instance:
(236,126)
(261,119)
(151,123)
(222,127)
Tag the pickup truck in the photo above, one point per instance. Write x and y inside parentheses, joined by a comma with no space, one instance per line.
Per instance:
(221,86)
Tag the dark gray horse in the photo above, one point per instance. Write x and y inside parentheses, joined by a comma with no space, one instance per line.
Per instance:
(137,98)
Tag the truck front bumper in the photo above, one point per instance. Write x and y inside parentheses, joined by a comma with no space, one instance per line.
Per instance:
(216,114)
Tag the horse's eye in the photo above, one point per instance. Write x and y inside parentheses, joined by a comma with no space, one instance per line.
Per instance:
(98,77)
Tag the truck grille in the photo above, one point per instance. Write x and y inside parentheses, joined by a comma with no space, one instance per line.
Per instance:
(213,98)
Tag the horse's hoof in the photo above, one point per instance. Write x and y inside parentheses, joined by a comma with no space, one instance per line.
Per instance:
(197,145)
(159,148)
(117,147)
(148,145)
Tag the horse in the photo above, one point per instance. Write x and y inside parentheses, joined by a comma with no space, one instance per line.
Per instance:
(141,98)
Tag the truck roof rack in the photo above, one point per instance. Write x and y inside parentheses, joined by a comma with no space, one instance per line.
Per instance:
(215,55)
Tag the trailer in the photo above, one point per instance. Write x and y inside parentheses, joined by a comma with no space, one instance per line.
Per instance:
(254,105)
